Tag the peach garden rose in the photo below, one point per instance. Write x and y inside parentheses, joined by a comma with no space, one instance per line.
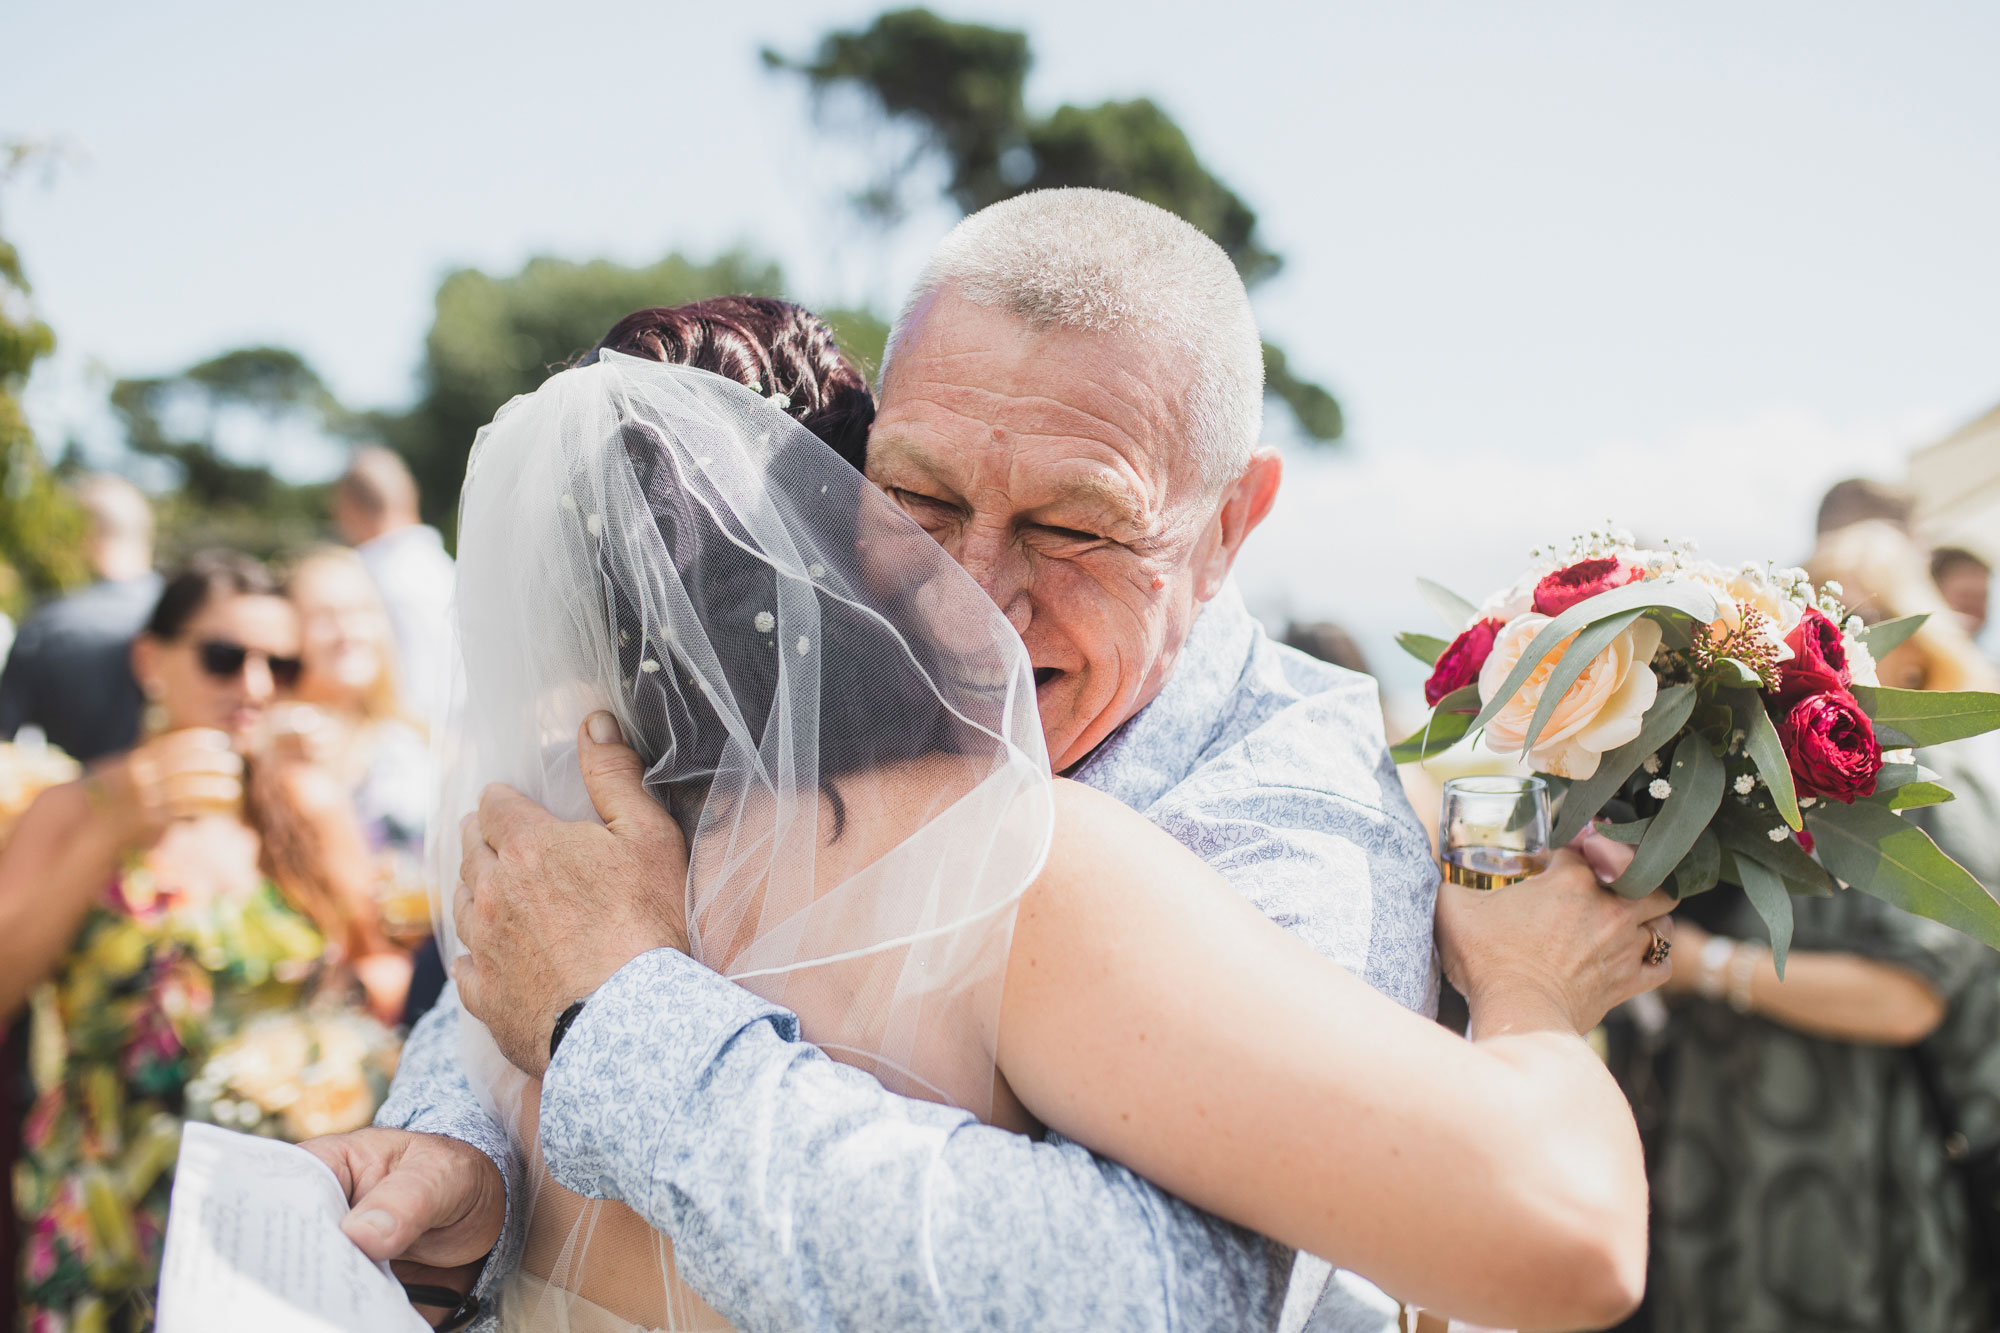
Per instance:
(1601,710)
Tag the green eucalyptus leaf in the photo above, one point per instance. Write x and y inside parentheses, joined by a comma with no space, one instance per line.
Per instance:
(1423,647)
(1455,610)
(1574,661)
(1734,675)
(1700,868)
(1893,776)
(1686,598)
(1884,638)
(1888,857)
(1631,834)
(1696,775)
(1444,728)
(1587,796)
(1766,891)
(1741,835)
(1930,717)
(1913,796)
(1761,743)
(1891,739)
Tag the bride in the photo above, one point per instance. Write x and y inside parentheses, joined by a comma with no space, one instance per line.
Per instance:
(844,728)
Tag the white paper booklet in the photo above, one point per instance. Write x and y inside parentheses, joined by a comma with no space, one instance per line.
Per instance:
(254,1244)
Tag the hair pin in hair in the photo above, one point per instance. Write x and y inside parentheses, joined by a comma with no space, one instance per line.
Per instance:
(781,401)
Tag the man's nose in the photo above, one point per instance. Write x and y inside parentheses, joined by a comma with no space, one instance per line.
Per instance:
(997,564)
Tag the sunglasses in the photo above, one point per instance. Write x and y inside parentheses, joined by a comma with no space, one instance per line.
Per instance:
(224,661)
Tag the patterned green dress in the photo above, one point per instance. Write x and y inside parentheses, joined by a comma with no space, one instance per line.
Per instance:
(1800,1183)
(165,1010)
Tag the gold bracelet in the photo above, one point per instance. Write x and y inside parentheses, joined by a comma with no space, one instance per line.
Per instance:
(1742,971)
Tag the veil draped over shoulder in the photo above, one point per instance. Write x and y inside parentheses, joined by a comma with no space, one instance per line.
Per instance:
(839,719)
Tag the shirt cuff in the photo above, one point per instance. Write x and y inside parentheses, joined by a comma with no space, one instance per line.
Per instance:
(629,1062)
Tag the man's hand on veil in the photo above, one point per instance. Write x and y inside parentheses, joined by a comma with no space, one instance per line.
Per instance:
(548,910)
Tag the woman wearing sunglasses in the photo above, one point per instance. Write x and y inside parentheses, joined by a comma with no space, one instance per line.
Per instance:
(185,926)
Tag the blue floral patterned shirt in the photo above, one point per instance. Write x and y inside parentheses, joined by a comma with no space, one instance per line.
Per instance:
(800,1194)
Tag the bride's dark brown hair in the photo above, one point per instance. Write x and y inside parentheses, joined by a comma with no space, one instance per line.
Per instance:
(772,346)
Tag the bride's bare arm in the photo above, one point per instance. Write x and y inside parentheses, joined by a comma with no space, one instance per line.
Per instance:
(1155,1017)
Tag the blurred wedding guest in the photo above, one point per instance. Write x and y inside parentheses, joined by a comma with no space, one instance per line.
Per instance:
(1329,642)
(185,924)
(70,673)
(1800,1171)
(375,510)
(1862,499)
(350,718)
(1965,581)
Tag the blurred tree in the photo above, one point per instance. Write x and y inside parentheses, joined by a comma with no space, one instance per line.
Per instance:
(960,87)
(41,529)
(495,337)
(250,399)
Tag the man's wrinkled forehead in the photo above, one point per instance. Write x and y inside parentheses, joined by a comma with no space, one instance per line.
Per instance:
(967,377)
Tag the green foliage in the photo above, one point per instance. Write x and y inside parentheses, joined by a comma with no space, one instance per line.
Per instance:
(1444,728)
(220,500)
(960,86)
(1585,797)
(495,337)
(1313,406)
(1883,854)
(1697,778)
(960,83)
(1423,647)
(41,529)
(1930,717)
(1454,610)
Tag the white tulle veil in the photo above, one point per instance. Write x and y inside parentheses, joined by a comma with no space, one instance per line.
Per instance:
(842,723)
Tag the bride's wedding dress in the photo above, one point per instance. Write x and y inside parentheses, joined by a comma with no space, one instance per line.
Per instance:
(843,724)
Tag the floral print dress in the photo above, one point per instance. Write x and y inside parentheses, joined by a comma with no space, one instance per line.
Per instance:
(167,1009)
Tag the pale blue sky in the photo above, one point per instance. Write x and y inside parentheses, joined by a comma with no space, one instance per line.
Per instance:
(1561,261)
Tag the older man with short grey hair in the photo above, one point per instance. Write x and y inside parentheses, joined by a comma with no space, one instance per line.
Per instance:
(1072,408)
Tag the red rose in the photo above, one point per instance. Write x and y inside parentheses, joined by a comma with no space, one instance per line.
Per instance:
(1819,659)
(1804,838)
(1831,746)
(1458,665)
(1580,582)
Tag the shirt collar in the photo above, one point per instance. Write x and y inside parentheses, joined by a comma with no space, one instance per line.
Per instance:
(1155,749)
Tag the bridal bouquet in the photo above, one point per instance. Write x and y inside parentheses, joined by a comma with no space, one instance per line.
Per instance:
(1726,721)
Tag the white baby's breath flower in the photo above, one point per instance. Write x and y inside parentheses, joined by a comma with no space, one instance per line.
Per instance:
(1854,625)
(765,622)
(649,666)
(1779,834)
(1834,588)
(594,524)
(569,502)
(804,645)
(1808,802)
(1660,789)
(1745,785)
(1652,763)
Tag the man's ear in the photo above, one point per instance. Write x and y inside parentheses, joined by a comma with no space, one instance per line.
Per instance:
(1245,503)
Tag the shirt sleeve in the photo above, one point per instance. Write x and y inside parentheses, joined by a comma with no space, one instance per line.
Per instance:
(431,1096)
(800,1194)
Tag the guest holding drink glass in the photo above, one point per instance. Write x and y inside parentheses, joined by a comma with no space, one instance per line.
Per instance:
(351,717)
(183,925)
